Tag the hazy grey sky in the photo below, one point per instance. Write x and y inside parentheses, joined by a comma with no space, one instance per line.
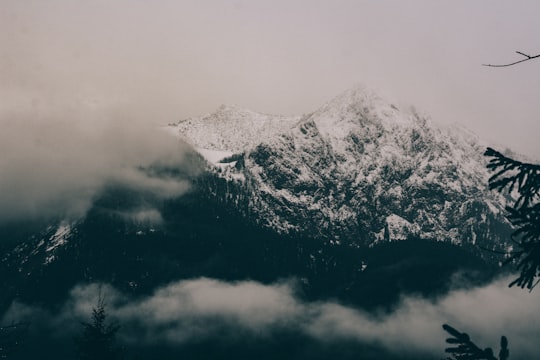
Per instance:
(168,60)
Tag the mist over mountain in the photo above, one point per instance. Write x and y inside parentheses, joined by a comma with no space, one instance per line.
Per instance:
(280,229)
(58,158)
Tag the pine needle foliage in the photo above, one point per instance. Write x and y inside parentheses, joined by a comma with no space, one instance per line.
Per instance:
(465,349)
(97,340)
(523,179)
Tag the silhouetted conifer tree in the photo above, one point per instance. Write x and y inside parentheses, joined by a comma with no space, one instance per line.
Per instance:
(524,180)
(97,340)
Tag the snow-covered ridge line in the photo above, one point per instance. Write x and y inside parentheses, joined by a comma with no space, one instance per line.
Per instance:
(232,129)
(358,167)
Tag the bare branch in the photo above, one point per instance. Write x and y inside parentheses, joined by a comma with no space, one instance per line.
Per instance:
(520,53)
(527,58)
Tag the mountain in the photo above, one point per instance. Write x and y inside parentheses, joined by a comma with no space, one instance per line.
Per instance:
(358,202)
(314,197)
(357,170)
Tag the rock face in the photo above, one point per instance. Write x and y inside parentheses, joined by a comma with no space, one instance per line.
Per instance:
(358,169)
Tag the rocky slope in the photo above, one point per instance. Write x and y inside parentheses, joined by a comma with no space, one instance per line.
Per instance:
(358,169)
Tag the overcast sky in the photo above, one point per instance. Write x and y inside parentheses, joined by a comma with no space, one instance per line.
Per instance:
(168,60)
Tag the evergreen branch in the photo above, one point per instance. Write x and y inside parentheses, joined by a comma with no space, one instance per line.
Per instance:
(527,223)
(527,58)
(466,349)
(512,174)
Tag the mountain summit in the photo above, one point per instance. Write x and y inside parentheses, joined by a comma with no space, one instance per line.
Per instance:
(358,169)
(231,128)
(274,196)
(321,199)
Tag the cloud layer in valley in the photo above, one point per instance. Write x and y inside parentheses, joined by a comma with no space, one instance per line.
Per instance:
(191,310)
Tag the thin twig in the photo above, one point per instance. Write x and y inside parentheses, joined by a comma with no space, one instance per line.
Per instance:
(520,53)
(527,58)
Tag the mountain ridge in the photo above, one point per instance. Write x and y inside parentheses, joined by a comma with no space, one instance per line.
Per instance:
(360,167)
(387,205)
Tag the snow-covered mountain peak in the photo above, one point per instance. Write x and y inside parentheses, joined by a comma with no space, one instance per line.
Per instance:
(226,112)
(359,108)
(358,167)
(356,171)
(233,129)
(356,95)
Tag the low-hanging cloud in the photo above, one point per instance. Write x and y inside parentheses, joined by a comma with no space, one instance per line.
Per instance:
(56,156)
(192,310)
